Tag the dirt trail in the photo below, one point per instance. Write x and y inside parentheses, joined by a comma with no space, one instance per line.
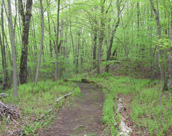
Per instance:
(82,117)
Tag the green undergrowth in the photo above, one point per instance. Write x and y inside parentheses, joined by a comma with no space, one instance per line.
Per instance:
(148,108)
(35,101)
(108,115)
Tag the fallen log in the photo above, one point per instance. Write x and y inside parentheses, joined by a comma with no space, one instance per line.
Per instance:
(58,100)
(120,106)
(124,129)
(65,80)
(87,81)
(94,83)
(3,95)
(64,97)
(19,131)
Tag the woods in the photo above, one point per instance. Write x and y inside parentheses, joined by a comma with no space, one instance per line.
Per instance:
(137,31)
(56,41)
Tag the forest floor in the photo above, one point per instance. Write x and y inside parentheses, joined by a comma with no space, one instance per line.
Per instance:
(137,104)
(82,117)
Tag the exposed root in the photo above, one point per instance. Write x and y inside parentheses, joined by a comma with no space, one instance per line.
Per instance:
(124,129)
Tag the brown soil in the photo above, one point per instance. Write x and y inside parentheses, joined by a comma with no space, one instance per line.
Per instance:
(82,117)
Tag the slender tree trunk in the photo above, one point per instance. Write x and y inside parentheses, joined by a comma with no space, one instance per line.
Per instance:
(138,24)
(95,48)
(11,32)
(167,82)
(112,37)
(60,51)
(4,65)
(57,41)
(170,57)
(152,53)
(110,46)
(26,17)
(67,49)
(3,53)
(10,59)
(49,29)
(159,37)
(42,43)
(82,55)
(73,47)
(50,41)
(77,56)
(101,37)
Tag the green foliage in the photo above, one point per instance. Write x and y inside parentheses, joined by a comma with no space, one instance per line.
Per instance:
(108,109)
(104,75)
(108,114)
(150,108)
(135,41)
(35,100)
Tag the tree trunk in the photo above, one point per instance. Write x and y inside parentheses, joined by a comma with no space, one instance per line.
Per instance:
(60,51)
(101,37)
(11,32)
(77,57)
(57,41)
(10,59)
(94,48)
(159,37)
(3,53)
(42,43)
(49,29)
(82,55)
(26,17)
(73,47)
(167,82)
(50,40)
(112,37)
(4,65)
(138,24)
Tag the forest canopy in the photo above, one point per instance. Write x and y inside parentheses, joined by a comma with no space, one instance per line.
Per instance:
(54,39)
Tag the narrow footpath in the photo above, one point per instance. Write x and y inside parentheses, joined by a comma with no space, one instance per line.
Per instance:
(82,117)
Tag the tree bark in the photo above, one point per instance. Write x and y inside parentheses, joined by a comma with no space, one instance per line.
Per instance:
(101,37)
(138,23)
(60,50)
(82,51)
(159,37)
(42,43)
(11,32)
(72,42)
(95,48)
(112,37)
(50,40)
(167,82)
(49,29)
(10,59)
(77,56)
(26,17)
(3,53)
(57,41)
